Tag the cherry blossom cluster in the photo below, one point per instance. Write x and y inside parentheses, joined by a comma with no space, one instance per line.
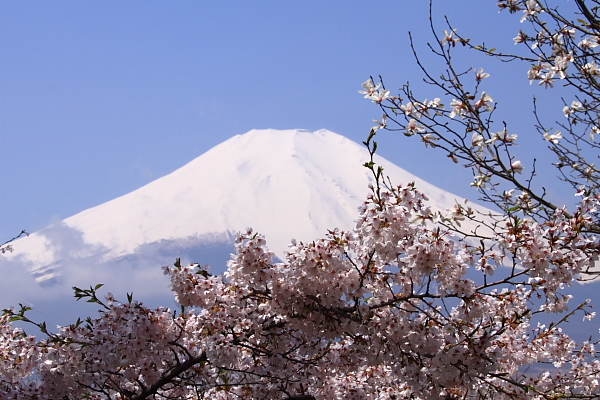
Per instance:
(533,249)
(560,44)
(19,357)
(373,92)
(395,308)
(423,118)
(563,45)
(568,44)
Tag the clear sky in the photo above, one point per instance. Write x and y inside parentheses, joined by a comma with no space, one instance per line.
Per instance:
(100,98)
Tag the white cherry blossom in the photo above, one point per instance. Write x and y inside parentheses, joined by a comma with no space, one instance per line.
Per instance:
(380,124)
(414,127)
(369,88)
(380,95)
(517,166)
(480,75)
(449,38)
(554,138)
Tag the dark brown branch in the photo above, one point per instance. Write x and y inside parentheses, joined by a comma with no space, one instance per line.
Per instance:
(170,376)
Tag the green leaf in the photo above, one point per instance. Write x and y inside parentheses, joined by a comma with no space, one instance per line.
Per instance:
(204,273)
(24,309)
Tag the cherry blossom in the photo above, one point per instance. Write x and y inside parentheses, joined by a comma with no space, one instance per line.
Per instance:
(486,102)
(411,109)
(517,166)
(588,43)
(380,124)
(590,68)
(480,181)
(458,108)
(520,38)
(503,136)
(370,88)
(379,95)
(449,38)
(554,138)
(477,140)
(429,139)
(575,105)
(547,79)
(357,314)
(413,127)
(531,10)
(593,131)
(511,5)
(480,75)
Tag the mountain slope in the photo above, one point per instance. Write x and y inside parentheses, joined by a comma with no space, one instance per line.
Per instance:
(284,184)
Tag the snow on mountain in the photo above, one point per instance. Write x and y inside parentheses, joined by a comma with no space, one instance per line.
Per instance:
(284,184)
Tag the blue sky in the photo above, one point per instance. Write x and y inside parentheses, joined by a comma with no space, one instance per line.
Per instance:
(100,98)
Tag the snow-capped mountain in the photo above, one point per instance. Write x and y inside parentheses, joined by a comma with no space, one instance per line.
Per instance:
(284,184)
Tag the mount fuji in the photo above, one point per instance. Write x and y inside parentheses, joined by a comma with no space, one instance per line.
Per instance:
(284,184)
